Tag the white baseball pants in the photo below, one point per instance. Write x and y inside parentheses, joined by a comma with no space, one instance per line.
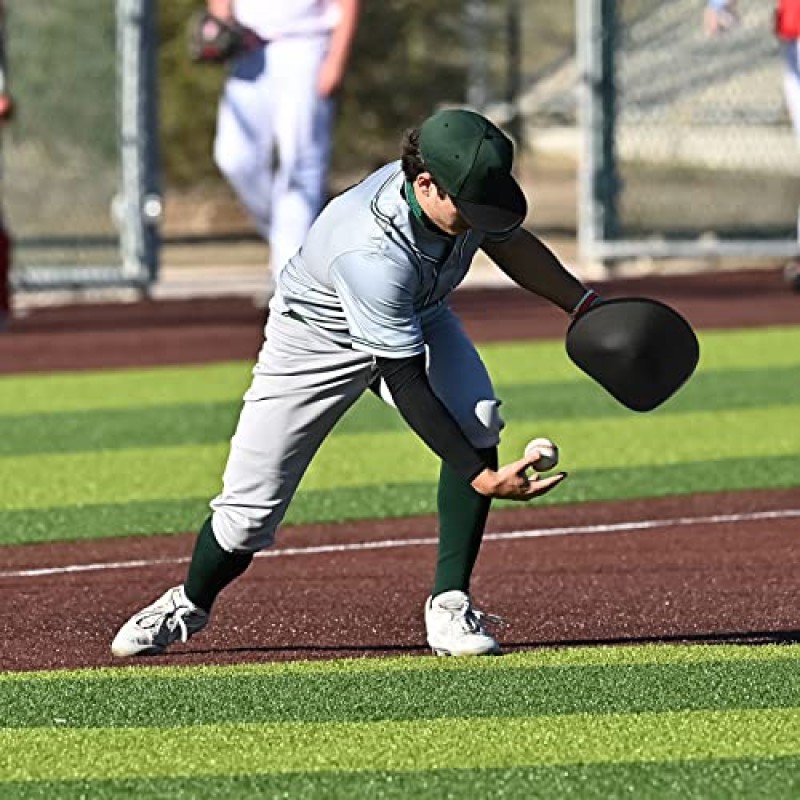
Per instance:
(273,139)
(302,385)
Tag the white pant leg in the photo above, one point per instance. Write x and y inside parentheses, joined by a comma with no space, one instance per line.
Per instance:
(791,82)
(302,385)
(243,145)
(302,121)
(460,380)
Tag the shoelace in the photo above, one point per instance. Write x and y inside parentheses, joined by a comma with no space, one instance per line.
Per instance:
(176,621)
(173,618)
(473,620)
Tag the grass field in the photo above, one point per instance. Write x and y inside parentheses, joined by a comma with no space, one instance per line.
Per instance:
(141,452)
(658,721)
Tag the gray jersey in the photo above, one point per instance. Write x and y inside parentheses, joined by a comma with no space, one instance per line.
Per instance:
(369,274)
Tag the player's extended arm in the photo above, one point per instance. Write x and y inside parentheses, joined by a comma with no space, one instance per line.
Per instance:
(719,16)
(432,422)
(222,9)
(333,68)
(533,266)
(5,95)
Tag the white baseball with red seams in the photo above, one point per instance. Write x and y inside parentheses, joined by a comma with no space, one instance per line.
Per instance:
(548,453)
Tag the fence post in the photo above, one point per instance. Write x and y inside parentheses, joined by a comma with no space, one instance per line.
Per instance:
(598,221)
(5,269)
(514,71)
(475,27)
(139,211)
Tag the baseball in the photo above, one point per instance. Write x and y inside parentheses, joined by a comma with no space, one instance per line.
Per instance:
(548,453)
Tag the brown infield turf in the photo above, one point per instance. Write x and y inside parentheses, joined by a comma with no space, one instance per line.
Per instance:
(706,568)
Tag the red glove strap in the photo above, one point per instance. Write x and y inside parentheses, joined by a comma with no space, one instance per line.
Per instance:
(585,303)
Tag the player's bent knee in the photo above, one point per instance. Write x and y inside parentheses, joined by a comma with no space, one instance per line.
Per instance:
(237,532)
(483,426)
(234,164)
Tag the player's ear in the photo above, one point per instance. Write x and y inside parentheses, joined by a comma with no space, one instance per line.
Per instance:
(424,182)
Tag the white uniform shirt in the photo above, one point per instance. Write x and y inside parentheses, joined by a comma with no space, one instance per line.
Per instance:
(369,273)
(273,19)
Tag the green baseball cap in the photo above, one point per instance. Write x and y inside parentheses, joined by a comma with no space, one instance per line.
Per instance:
(470,158)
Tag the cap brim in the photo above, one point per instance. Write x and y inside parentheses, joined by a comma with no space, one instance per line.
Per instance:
(499,214)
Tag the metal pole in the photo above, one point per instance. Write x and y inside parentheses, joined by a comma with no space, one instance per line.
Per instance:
(138,208)
(514,71)
(476,21)
(598,184)
(152,206)
(609,177)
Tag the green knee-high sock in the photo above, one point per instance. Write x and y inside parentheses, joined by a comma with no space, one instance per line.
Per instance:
(212,568)
(462,518)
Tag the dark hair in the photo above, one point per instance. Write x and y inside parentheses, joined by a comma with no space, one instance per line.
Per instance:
(413,164)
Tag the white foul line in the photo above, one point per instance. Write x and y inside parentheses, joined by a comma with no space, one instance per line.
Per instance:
(535,533)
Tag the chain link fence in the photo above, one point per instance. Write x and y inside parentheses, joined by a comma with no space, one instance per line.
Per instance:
(690,150)
(78,162)
(679,144)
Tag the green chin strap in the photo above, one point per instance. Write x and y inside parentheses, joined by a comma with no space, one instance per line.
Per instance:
(416,210)
(413,204)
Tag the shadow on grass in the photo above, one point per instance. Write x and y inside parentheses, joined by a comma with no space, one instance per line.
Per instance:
(727,637)
(354,650)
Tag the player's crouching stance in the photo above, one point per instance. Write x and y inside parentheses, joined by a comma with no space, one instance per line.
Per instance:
(364,304)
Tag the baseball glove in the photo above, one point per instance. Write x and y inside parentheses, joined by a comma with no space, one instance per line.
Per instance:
(639,350)
(214,41)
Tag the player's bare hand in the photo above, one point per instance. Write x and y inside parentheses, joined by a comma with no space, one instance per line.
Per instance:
(221,9)
(331,74)
(717,21)
(512,482)
(6,108)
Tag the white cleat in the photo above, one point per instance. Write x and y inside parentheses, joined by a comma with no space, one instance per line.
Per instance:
(153,629)
(455,628)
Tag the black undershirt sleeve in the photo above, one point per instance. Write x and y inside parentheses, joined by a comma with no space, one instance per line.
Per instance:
(427,415)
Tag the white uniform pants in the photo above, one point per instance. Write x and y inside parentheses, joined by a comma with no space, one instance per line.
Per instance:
(273,139)
(302,385)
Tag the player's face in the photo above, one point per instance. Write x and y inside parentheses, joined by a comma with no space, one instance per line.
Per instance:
(439,206)
(451,220)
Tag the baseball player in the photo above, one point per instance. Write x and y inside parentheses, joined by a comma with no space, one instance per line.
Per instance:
(275,116)
(787,28)
(6,111)
(364,304)
(6,105)
(720,15)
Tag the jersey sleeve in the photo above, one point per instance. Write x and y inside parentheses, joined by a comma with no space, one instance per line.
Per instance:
(377,296)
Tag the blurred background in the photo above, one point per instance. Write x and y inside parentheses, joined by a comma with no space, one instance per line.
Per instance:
(644,144)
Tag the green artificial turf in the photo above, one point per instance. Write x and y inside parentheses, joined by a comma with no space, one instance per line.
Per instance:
(60,392)
(107,520)
(584,721)
(523,405)
(484,743)
(173,472)
(142,451)
(399,695)
(531,363)
(730,779)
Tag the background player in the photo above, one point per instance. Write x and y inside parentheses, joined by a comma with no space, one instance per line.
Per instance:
(720,15)
(364,304)
(276,113)
(6,109)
